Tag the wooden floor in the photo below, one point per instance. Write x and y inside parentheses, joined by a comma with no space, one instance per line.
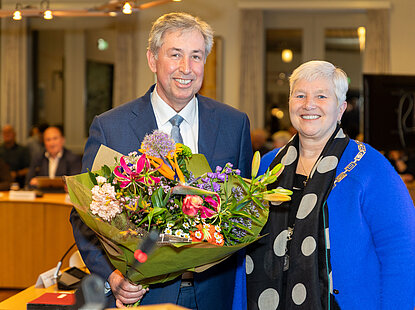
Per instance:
(6,293)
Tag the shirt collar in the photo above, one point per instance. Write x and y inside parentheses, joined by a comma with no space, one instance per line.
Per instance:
(166,112)
(59,155)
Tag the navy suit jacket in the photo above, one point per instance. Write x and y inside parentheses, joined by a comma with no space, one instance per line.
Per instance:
(69,164)
(224,136)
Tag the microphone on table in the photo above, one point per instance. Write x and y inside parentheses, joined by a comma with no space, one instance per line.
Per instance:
(70,279)
(58,267)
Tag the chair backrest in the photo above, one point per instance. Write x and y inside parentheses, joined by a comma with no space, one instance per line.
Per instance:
(76,260)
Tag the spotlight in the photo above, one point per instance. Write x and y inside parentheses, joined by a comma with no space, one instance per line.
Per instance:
(17,14)
(127,8)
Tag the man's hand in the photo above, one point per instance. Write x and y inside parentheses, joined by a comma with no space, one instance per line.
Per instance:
(124,291)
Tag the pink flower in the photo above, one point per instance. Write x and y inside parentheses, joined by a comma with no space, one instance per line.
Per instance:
(212,202)
(192,204)
(206,213)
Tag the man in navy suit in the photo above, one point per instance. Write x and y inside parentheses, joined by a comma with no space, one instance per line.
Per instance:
(178,46)
(55,161)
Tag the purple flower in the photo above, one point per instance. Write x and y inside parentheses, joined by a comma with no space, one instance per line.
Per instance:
(212,175)
(218,169)
(227,170)
(222,177)
(237,172)
(158,144)
(215,187)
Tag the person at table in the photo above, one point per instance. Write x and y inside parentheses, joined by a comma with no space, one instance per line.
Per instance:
(16,156)
(5,176)
(347,238)
(55,161)
(178,46)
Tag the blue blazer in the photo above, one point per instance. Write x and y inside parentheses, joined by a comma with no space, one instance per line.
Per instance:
(224,136)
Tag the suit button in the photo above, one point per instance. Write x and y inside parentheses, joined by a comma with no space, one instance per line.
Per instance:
(336,291)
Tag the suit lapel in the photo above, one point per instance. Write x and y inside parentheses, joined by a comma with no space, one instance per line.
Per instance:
(143,120)
(208,128)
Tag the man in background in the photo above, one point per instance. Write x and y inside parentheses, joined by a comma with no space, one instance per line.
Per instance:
(55,161)
(178,47)
(17,157)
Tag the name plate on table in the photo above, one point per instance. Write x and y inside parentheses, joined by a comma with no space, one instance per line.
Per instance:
(22,195)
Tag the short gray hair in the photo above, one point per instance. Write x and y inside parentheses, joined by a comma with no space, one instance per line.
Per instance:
(315,69)
(178,21)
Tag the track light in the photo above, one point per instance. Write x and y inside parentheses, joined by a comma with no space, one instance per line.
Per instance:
(127,8)
(17,14)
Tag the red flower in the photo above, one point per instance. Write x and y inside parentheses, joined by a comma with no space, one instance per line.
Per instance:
(192,204)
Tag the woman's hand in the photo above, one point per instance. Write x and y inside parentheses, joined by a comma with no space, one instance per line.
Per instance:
(124,291)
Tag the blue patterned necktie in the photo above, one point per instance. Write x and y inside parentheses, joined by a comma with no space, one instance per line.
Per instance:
(175,130)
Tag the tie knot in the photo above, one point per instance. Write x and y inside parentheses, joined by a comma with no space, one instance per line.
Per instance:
(176,120)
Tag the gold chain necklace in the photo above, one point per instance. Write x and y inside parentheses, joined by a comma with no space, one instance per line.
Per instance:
(305,171)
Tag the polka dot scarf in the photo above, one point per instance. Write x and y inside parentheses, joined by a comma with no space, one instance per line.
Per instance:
(306,283)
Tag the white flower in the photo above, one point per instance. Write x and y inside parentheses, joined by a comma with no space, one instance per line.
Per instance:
(186,225)
(198,234)
(170,224)
(178,233)
(104,202)
(217,228)
(186,235)
(101,180)
(168,231)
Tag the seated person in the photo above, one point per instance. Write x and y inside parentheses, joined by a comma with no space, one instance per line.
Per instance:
(403,164)
(5,176)
(16,156)
(56,161)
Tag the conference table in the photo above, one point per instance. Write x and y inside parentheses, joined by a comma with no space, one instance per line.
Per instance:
(19,301)
(34,236)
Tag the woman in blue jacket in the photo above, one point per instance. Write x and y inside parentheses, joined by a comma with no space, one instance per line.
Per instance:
(347,238)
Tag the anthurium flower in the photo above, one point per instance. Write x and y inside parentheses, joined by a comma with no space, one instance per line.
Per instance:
(192,204)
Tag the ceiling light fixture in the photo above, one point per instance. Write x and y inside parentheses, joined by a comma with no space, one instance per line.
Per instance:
(287,55)
(17,14)
(47,14)
(127,8)
(361,32)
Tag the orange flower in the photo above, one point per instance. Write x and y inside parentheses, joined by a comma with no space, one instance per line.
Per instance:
(207,233)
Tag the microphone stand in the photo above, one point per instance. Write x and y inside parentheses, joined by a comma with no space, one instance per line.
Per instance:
(58,266)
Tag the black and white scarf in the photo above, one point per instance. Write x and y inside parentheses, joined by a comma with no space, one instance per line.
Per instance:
(307,283)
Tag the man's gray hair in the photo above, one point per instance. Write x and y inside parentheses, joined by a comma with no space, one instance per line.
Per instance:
(178,21)
(315,69)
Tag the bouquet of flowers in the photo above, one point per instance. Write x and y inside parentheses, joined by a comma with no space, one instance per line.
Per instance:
(202,216)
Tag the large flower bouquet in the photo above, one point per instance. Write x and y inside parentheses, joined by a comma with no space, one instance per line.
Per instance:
(202,216)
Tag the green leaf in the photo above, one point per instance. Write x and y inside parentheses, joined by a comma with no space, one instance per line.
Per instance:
(241,205)
(92,177)
(243,183)
(243,227)
(106,171)
(257,202)
(189,190)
